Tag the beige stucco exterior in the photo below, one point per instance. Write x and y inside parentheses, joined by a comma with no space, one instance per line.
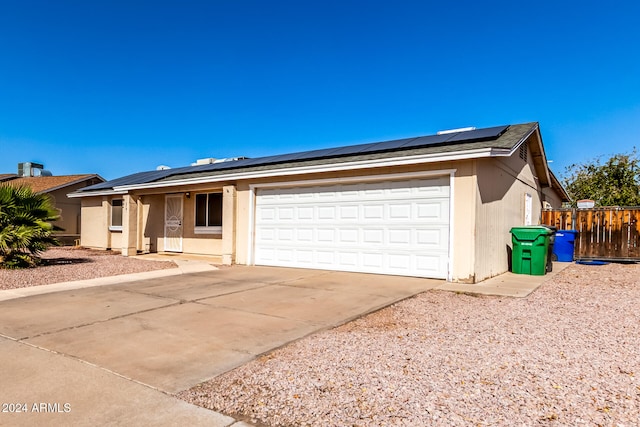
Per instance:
(503,185)
(492,189)
(487,199)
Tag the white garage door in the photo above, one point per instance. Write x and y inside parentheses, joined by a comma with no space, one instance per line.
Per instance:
(390,227)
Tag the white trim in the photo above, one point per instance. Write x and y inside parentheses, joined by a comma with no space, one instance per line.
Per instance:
(251,225)
(116,227)
(451,227)
(363,178)
(208,230)
(97,193)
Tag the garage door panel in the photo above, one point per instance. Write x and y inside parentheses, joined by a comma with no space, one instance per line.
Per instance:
(326,213)
(284,214)
(400,262)
(349,212)
(373,212)
(431,266)
(348,236)
(373,236)
(348,259)
(399,211)
(433,238)
(326,258)
(304,257)
(285,234)
(437,211)
(326,235)
(398,227)
(399,237)
(304,234)
(372,260)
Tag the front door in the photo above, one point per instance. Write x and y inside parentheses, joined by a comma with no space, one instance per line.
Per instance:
(173,223)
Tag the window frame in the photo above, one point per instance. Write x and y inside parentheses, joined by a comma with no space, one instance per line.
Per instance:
(112,226)
(206,229)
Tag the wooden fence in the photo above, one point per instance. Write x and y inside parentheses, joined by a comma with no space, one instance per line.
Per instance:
(603,233)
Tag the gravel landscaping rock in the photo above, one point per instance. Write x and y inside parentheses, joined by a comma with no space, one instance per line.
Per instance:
(569,354)
(68,264)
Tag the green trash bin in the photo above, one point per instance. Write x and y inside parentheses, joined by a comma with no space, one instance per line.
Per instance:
(530,249)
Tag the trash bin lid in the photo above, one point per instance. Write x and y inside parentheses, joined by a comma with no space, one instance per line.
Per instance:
(567,231)
(531,232)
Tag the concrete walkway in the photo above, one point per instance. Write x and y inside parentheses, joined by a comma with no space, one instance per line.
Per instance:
(185,266)
(507,284)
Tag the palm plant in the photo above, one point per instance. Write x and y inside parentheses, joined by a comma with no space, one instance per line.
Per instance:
(25,226)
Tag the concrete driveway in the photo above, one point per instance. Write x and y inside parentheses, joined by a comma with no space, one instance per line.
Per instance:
(116,353)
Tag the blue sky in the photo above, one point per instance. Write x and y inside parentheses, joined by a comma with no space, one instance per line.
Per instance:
(117,87)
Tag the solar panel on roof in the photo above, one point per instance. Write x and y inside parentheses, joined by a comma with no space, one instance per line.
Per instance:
(388,145)
(352,149)
(478,134)
(136,178)
(423,141)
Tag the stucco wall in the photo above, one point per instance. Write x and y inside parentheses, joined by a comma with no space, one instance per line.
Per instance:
(487,200)
(70,211)
(95,222)
(151,223)
(502,185)
(549,195)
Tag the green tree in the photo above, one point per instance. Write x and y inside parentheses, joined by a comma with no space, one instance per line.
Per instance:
(615,182)
(25,226)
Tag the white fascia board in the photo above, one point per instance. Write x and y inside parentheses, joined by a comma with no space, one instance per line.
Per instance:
(362,164)
(97,193)
(350,179)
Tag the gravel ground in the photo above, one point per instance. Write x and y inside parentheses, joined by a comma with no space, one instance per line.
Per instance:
(68,263)
(569,354)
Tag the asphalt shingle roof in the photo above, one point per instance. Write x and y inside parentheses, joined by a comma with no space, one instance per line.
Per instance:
(43,184)
(499,137)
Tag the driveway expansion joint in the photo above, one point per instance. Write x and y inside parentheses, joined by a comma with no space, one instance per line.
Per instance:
(97,322)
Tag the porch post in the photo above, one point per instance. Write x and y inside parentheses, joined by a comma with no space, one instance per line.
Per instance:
(105,240)
(228,224)
(129,225)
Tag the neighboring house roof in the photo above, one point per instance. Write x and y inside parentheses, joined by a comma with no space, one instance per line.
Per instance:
(47,184)
(7,176)
(555,183)
(498,141)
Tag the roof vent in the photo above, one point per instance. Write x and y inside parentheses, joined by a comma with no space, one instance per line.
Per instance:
(212,160)
(229,159)
(29,169)
(207,161)
(163,168)
(467,129)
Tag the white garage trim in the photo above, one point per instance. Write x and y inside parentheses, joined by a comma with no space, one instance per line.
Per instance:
(251,243)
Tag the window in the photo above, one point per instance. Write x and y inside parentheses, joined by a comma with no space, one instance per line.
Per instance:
(116,215)
(209,213)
